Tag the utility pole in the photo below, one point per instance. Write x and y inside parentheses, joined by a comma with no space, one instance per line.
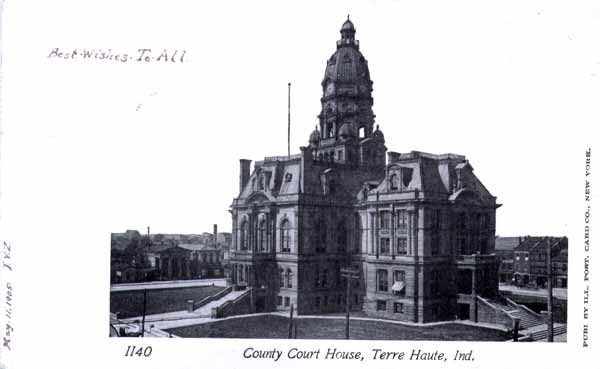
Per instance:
(291,324)
(349,274)
(550,297)
(144,312)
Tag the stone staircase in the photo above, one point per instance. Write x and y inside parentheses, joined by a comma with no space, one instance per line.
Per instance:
(528,320)
(540,333)
(206,310)
(526,317)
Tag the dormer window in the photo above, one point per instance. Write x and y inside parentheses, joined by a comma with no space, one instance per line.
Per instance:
(407,174)
(393,182)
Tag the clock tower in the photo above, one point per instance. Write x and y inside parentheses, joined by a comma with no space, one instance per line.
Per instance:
(346,131)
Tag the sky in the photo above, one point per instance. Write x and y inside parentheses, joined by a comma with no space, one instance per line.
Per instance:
(116,146)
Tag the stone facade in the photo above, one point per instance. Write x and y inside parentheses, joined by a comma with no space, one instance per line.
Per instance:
(418,228)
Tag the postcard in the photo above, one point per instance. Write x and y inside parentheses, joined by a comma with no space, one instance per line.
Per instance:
(283,184)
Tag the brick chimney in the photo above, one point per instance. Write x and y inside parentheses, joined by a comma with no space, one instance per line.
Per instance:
(215,234)
(244,172)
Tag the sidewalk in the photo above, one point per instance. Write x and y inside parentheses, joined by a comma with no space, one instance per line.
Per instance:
(183,317)
(558,293)
(168,284)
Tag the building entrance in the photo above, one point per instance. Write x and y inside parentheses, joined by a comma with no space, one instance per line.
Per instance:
(464,310)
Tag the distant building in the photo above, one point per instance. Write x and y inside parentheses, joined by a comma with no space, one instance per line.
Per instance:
(531,266)
(151,257)
(190,261)
(505,249)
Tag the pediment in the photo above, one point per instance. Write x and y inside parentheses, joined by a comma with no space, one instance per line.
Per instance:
(257,197)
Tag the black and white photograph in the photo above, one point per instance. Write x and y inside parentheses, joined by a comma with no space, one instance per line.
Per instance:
(345,239)
(281,183)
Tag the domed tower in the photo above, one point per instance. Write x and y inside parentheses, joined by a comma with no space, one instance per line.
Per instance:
(346,120)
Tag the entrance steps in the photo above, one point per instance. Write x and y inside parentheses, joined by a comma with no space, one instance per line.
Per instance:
(540,333)
(527,318)
(206,310)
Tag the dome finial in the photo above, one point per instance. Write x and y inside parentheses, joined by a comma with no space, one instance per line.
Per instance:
(348,18)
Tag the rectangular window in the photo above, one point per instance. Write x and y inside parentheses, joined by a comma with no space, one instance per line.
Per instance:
(325,300)
(461,234)
(402,219)
(385,219)
(287,302)
(288,277)
(399,286)
(435,282)
(355,299)
(381,305)
(318,302)
(398,308)
(401,246)
(279,300)
(384,245)
(399,275)
(435,243)
(382,280)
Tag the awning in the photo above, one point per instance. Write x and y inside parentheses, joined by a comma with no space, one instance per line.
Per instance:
(398,286)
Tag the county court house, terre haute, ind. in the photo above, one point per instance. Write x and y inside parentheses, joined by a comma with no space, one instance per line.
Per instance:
(418,228)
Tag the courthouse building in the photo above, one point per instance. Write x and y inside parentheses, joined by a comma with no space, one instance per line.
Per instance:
(419,228)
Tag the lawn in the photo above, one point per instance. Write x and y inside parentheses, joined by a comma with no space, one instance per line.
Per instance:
(130,303)
(273,326)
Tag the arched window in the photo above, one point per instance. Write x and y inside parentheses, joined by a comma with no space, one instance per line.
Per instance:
(285,236)
(244,236)
(393,182)
(288,278)
(262,235)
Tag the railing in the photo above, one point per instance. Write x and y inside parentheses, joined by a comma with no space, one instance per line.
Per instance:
(214,297)
(255,255)
(476,258)
(219,309)
(519,306)
(498,311)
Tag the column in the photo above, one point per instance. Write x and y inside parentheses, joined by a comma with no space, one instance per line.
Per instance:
(474,294)
(393,232)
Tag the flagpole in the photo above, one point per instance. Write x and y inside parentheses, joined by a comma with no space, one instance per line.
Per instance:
(288,140)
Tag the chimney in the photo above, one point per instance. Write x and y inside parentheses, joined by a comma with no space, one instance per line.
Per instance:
(148,231)
(244,172)
(215,234)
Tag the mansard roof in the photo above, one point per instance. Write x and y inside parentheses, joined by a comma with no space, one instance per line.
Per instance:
(429,176)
